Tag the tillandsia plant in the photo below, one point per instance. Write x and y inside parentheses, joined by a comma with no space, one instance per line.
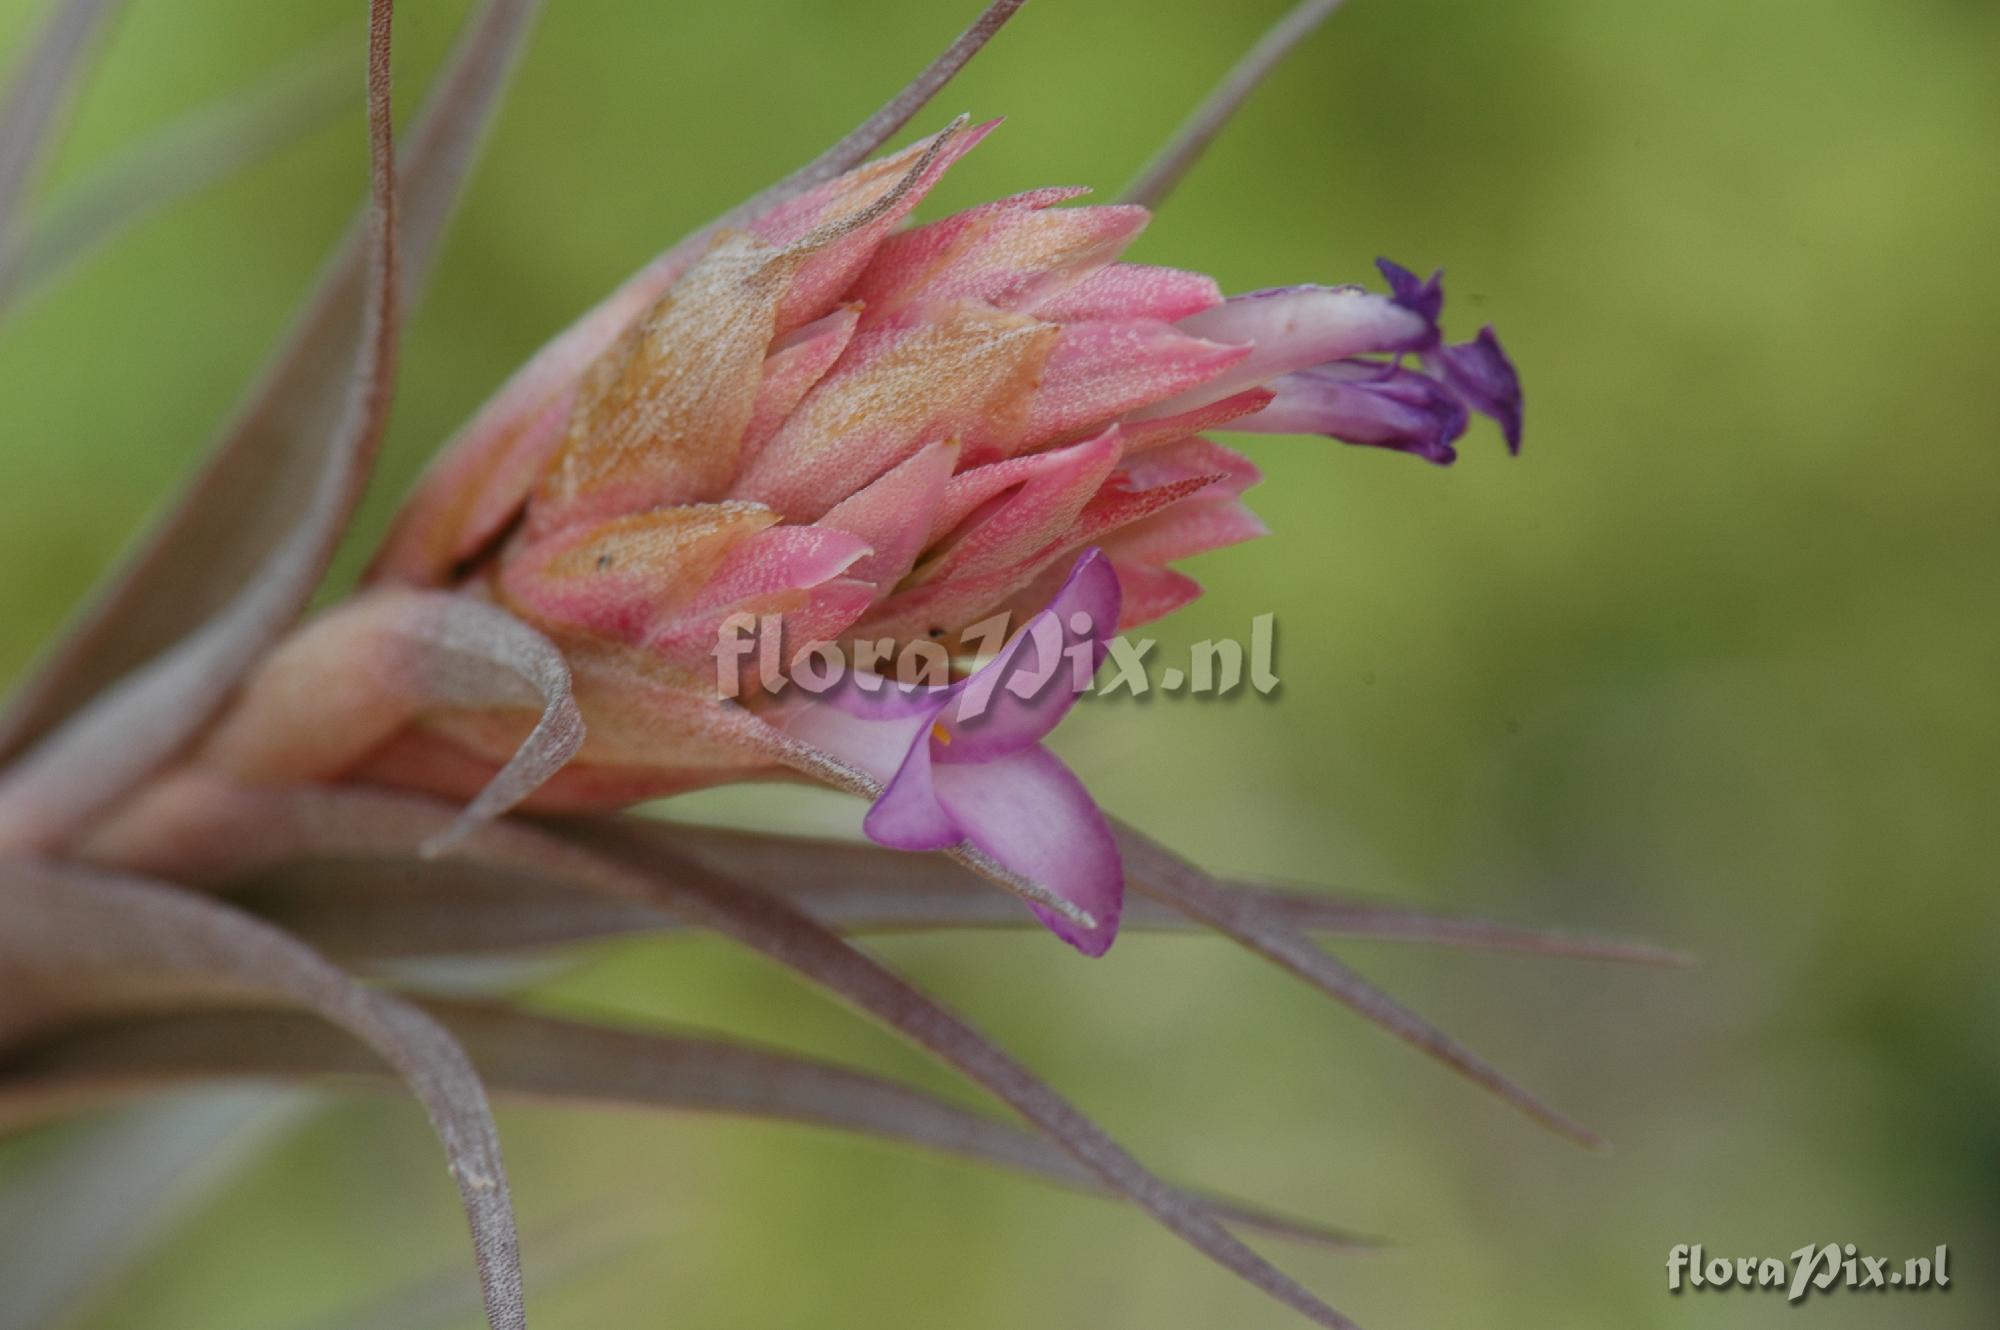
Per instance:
(815,429)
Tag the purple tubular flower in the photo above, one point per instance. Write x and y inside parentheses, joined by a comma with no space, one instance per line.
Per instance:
(1369,403)
(1480,372)
(1423,299)
(1333,357)
(1293,328)
(965,763)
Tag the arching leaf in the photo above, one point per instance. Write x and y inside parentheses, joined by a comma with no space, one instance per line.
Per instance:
(218,534)
(80,942)
(565,1062)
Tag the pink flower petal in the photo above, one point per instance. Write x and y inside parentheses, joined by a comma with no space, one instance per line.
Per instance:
(1186,529)
(660,415)
(1153,592)
(1007,255)
(1010,511)
(935,372)
(876,746)
(826,275)
(780,559)
(620,578)
(846,194)
(940,610)
(442,524)
(470,493)
(1133,291)
(1186,459)
(432,533)
(1034,816)
(909,260)
(907,815)
(952,593)
(1016,698)
(795,363)
(1153,432)
(799,620)
(792,573)
(1100,371)
(895,513)
(1115,508)
(1147,591)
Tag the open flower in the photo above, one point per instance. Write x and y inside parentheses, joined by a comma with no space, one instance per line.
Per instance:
(1332,357)
(965,762)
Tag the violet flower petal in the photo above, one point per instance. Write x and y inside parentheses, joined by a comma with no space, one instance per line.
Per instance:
(907,815)
(1481,372)
(1425,299)
(877,746)
(1022,693)
(1360,402)
(1031,813)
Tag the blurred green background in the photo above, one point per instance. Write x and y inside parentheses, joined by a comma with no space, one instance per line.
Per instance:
(1712,663)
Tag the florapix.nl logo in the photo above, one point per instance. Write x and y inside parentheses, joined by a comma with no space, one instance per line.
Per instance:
(751,653)
(1813,1268)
